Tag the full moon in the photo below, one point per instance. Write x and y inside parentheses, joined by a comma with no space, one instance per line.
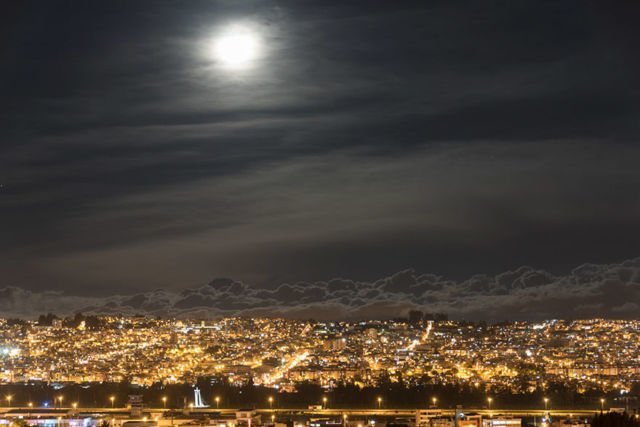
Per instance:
(237,48)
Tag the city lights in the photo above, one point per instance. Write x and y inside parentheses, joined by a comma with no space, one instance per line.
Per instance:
(582,354)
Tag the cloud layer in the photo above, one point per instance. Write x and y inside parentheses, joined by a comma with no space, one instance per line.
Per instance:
(590,290)
(446,136)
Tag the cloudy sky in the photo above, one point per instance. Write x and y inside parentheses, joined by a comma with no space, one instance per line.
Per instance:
(363,140)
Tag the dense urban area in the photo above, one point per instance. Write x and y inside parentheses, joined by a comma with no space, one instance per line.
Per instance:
(52,367)
(519,356)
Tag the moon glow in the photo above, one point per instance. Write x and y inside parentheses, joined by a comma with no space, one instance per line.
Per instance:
(237,48)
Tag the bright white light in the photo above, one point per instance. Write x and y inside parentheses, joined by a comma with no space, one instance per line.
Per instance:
(237,48)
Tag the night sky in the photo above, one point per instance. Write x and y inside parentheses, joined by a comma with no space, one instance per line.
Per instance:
(422,152)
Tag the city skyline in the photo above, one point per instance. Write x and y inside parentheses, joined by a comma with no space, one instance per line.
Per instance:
(594,357)
(285,213)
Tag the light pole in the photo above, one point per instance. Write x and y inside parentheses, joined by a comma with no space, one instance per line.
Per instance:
(270,402)
(60,399)
(112,399)
(546,404)
(434,400)
(217,399)
(324,402)
(489,401)
(379,402)
(164,402)
(9,397)
(601,405)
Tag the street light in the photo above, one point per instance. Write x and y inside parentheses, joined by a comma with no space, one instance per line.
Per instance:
(379,402)
(489,401)
(60,399)
(434,400)
(601,405)
(270,402)
(112,399)
(9,397)
(217,402)
(324,401)
(164,402)
(75,405)
(546,403)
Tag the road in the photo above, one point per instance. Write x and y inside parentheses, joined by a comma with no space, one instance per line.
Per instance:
(17,411)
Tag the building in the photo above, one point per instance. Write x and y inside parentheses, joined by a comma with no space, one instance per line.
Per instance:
(424,416)
(502,422)
(334,344)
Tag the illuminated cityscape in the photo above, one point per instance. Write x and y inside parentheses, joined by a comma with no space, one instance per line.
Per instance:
(285,213)
(518,357)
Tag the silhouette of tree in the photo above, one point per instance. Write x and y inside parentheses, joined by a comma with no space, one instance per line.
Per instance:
(614,419)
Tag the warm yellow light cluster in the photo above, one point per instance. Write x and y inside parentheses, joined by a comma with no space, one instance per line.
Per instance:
(279,352)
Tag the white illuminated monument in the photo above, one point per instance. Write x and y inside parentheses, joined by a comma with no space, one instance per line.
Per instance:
(236,48)
(197,399)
